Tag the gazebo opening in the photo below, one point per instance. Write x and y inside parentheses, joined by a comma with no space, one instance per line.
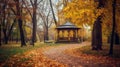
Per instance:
(67,32)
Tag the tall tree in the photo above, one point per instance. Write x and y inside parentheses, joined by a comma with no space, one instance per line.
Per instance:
(46,26)
(6,19)
(33,14)
(46,16)
(0,22)
(97,32)
(0,32)
(20,22)
(97,35)
(0,36)
(4,29)
(6,24)
(113,27)
(53,12)
(34,21)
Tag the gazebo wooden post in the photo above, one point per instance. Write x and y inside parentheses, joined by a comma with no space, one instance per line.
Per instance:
(62,33)
(77,35)
(68,35)
(74,36)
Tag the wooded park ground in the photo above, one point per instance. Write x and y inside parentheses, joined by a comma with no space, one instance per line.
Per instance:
(58,55)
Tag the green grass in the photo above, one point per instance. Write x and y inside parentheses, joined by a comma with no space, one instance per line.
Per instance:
(104,52)
(9,50)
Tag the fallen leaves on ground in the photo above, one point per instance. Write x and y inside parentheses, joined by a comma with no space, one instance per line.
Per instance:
(34,58)
(106,60)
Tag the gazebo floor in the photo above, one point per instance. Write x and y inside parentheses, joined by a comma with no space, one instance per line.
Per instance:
(63,41)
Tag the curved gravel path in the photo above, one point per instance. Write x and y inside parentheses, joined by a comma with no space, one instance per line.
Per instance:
(61,54)
(58,53)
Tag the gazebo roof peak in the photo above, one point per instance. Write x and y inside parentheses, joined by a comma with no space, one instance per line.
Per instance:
(69,24)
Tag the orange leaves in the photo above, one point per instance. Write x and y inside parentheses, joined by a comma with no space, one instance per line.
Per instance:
(94,58)
(31,59)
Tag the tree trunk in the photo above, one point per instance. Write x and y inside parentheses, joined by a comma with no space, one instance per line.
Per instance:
(97,29)
(4,27)
(116,39)
(34,21)
(20,24)
(0,36)
(7,35)
(97,35)
(53,13)
(34,29)
(46,34)
(21,33)
(113,29)
(6,40)
(101,3)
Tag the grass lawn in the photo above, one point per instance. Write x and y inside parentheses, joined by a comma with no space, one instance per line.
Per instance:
(104,52)
(6,51)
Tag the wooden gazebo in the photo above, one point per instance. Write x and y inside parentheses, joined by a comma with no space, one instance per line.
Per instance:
(67,32)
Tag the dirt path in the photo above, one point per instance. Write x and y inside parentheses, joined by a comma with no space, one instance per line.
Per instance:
(58,54)
(61,54)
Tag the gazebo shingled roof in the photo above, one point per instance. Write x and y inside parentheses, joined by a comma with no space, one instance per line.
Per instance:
(67,25)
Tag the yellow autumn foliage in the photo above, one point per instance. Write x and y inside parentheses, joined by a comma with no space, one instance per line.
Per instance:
(85,12)
(80,12)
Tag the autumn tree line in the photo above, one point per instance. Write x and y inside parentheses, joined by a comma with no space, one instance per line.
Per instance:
(39,15)
(16,15)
